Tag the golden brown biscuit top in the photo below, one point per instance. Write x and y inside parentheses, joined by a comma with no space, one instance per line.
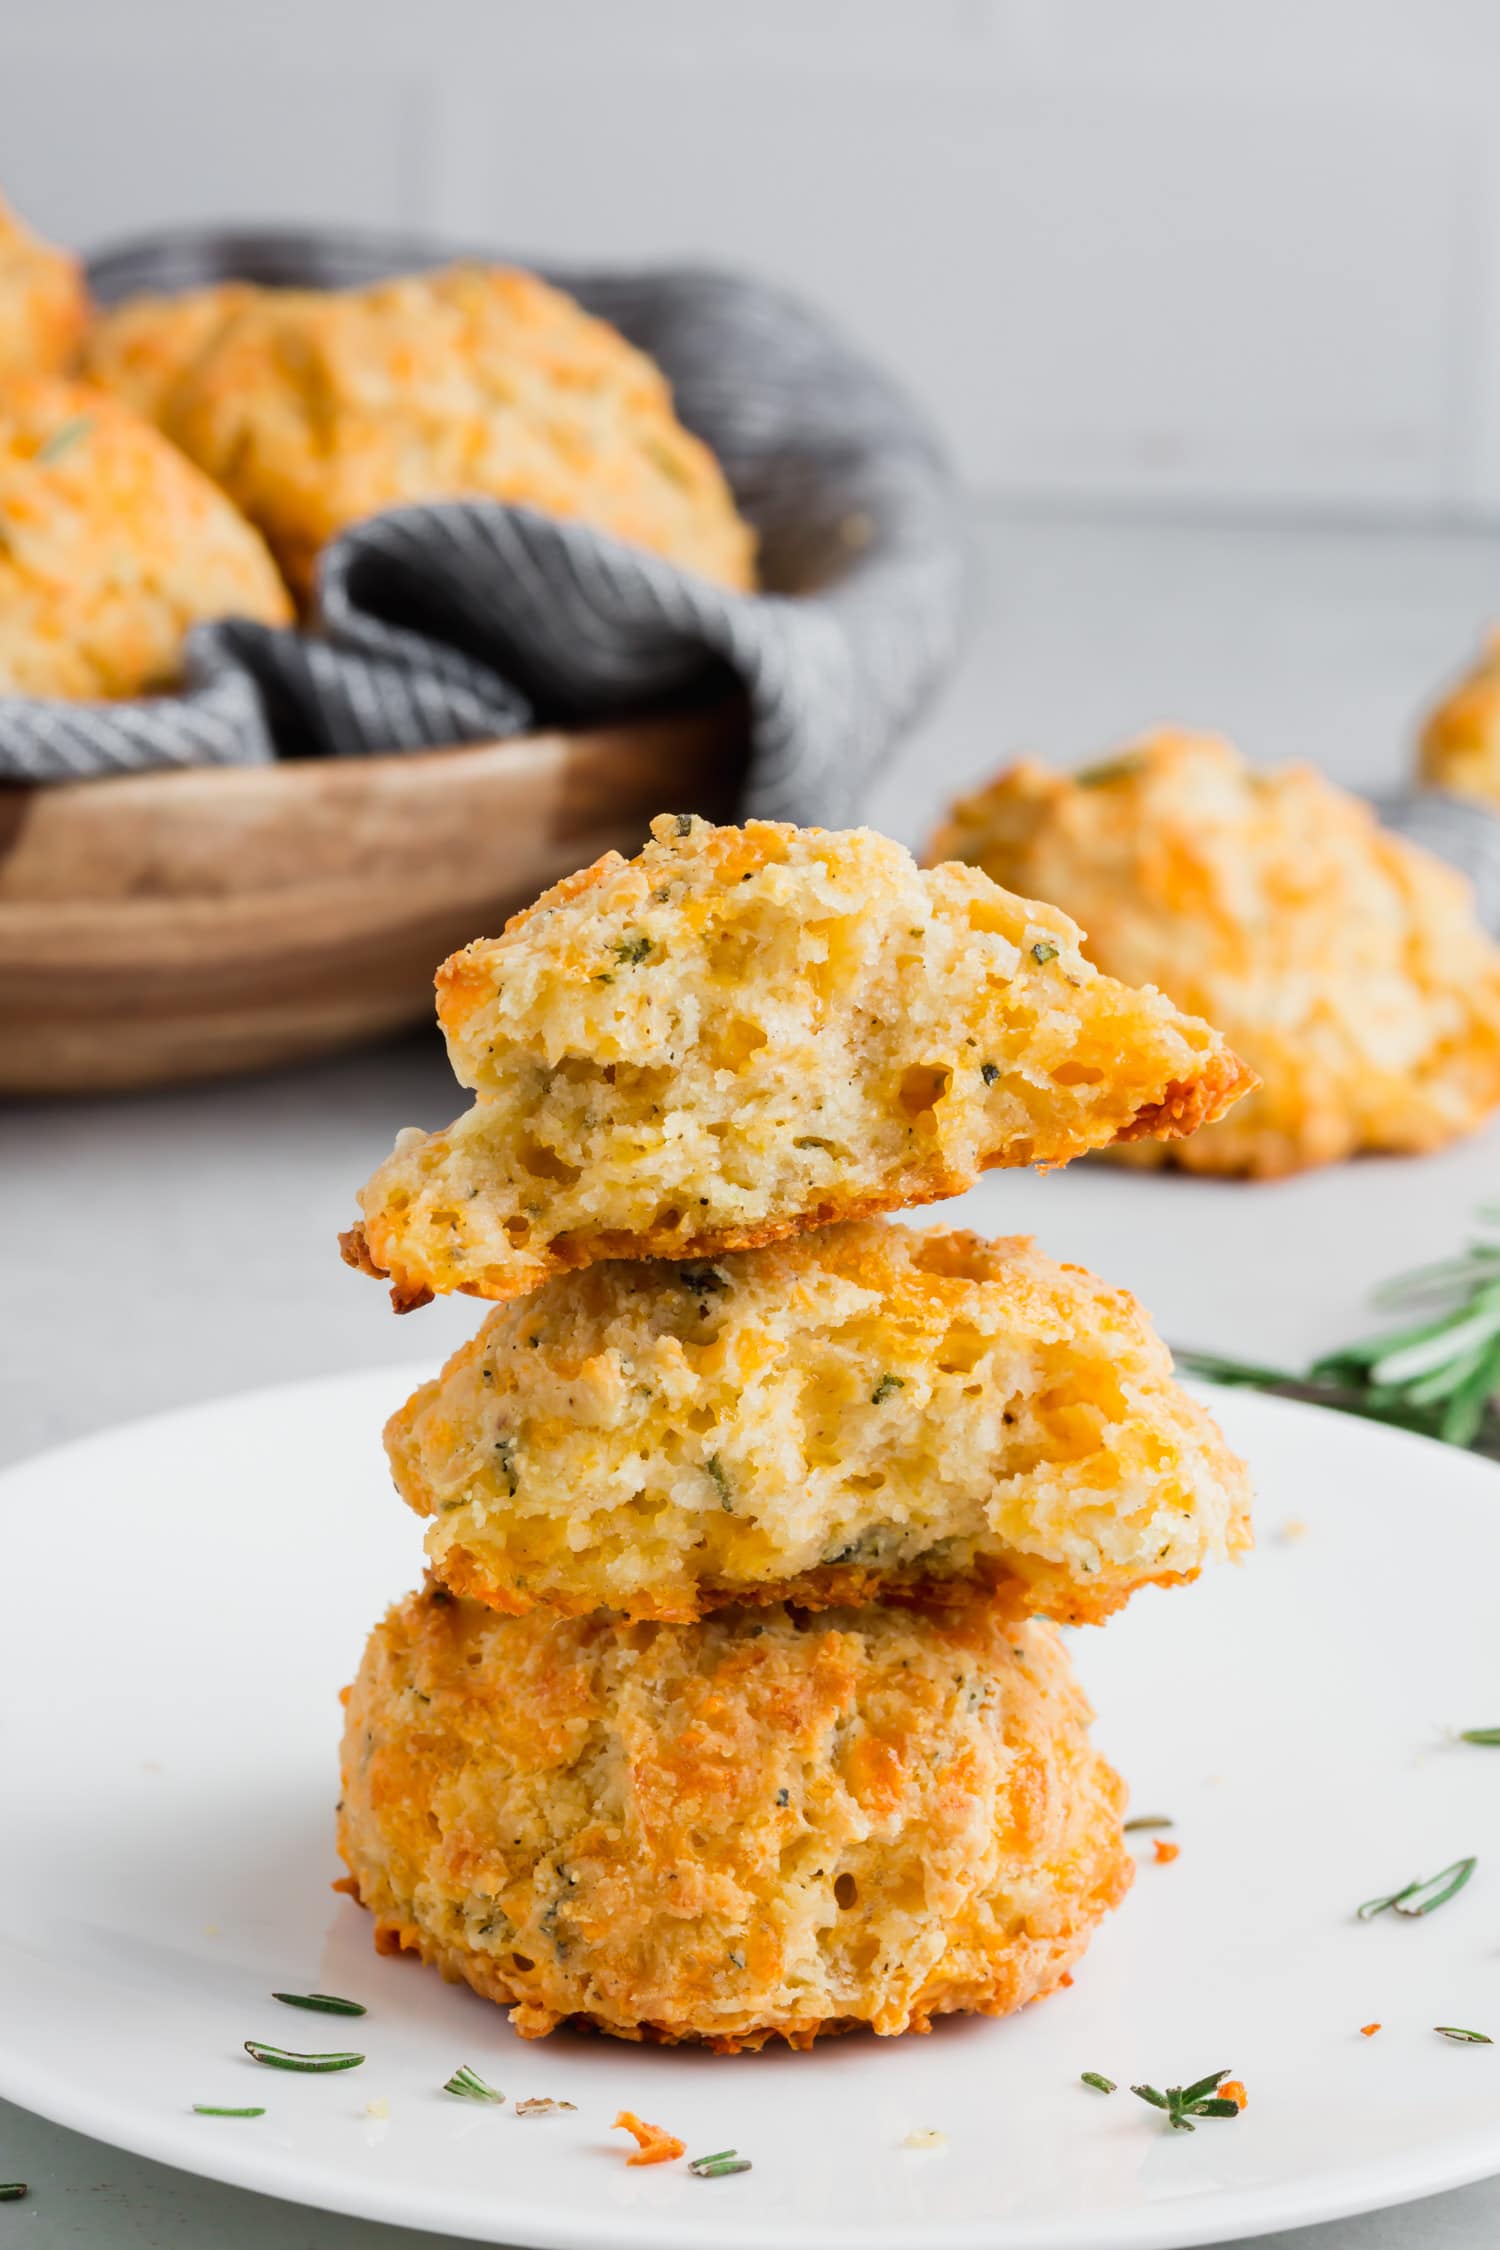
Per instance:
(1198,864)
(1345,963)
(43,302)
(762,1826)
(317,409)
(111,546)
(141,349)
(1460,742)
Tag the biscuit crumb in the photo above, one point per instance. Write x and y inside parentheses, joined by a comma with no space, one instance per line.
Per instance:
(925,2136)
(657,2145)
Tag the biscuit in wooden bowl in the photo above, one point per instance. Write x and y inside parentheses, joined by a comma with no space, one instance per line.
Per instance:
(864,1413)
(1344,963)
(43,302)
(1460,741)
(744,1032)
(769,1825)
(141,349)
(315,409)
(112,547)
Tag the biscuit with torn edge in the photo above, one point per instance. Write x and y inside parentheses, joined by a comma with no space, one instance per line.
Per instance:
(745,1032)
(865,1413)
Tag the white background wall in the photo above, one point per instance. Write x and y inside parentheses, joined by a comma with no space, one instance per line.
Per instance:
(1201,254)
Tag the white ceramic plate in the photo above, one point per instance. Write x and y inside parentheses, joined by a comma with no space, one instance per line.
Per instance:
(183,1599)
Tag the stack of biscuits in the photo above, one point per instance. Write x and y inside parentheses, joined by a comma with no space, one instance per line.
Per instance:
(735,1706)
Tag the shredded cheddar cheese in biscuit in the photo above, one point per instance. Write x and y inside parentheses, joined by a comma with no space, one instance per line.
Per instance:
(864,1411)
(656,2145)
(768,1825)
(112,547)
(744,1032)
(1345,964)
(314,409)
(43,302)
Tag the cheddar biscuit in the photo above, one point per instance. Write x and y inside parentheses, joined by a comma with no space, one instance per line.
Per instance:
(315,409)
(111,548)
(744,1032)
(862,1413)
(43,303)
(1344,963)
(1460,742)
(141,349)
(767,1825)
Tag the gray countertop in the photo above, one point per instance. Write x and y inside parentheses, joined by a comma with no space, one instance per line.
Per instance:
(169,1248)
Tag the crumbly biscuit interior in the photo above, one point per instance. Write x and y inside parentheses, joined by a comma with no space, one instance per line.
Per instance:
(913,1406)
(747,1024)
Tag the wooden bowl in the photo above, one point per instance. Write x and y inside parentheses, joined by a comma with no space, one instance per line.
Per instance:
(171,926)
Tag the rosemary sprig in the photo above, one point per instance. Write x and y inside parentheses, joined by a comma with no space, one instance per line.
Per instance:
(325,2003)
(1468,2038)
(211,2109)
(1183,2103)
(470,2087)
(1424,1895)
(1439,1376)
(11,2191)
(720,2165)
(1098,2081)
(282,2058)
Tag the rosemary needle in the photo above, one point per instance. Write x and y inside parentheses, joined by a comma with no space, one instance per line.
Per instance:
(282,2058)
(1098,2081)
(470,2087)
(326,2003)
(211,2109)
(11,2191)
(1469,2038)
(1148,1820)
(1480,1734)
(1438,1888)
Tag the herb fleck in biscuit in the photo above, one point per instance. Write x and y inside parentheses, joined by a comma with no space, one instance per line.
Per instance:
(748,1031)
(314,409)
(861,1413)
(767,1825)
(111,548)
(1344,963)
(43,302)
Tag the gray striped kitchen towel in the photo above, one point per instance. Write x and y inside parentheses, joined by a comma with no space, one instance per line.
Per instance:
(1458,830)
(463,620)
